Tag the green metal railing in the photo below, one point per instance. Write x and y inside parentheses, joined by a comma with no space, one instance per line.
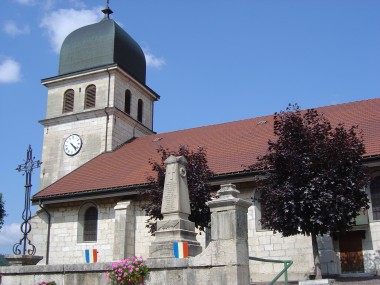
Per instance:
(287,264)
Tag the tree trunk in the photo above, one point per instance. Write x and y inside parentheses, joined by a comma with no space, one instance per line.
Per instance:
(317,264)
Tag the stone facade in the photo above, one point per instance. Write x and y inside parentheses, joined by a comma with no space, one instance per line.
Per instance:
(102,128)
(64,247)
(224,261)
(122,232)
(91,274)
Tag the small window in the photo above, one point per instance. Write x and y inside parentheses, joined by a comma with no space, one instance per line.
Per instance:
(127,102)
(375,198)
(90,97)
(90,228)
(140,110)
(68,101)
(87,223)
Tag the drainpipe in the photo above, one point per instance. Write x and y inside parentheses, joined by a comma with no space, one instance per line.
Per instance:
(105,109)
(152,115)
(48,232)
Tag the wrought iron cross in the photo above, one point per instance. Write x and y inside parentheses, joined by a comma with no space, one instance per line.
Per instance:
(27,169)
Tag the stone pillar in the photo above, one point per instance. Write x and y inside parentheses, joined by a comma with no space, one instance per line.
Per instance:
(227,253)
(175,225)
(124,238)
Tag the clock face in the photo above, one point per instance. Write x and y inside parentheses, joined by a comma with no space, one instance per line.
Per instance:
(72,145)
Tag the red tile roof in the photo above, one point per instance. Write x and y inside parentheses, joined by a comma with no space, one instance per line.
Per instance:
(229,147)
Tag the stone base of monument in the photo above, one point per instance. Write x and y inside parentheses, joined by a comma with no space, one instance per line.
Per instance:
(21,260)
(176,230)
(165,249)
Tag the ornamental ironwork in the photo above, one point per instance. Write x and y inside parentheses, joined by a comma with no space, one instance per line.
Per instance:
(25,246)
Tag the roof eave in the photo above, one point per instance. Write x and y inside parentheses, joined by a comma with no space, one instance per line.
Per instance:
(90,194)
(131,190)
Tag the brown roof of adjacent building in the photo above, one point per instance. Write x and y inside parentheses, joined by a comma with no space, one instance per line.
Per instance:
(230,148)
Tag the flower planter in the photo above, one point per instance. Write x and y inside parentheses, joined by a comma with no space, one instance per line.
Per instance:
(132,268)
(141,281)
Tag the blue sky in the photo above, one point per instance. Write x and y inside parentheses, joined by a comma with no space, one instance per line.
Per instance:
(211,61)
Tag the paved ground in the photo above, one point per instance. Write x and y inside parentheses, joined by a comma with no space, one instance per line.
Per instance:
(342,281)
(360,281)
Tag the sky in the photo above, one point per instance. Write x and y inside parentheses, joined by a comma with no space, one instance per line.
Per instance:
(210,61)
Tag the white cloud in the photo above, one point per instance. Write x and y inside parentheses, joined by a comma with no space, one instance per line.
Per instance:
(12,29)
(60,23)
(9,71)
(9,235)
(153,61)
(46,4)
(78,4)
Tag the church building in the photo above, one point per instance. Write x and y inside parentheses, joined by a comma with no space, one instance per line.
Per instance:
(99,138)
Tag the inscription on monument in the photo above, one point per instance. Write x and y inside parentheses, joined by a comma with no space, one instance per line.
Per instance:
(175,199)
(169,198)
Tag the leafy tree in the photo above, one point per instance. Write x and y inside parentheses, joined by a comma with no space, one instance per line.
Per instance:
(2,211)
(315,177)
(198,175)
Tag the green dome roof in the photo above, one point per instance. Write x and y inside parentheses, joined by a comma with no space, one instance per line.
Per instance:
(102,44)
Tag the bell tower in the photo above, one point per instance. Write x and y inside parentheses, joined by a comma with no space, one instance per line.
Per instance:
(98,101)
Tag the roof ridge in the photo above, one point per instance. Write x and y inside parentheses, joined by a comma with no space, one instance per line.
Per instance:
(261,117)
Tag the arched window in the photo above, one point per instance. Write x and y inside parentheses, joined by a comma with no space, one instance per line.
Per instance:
(90,97)
(90,228)
(88,223)
(375,197)
(127,102)
(140,110)
(68,101)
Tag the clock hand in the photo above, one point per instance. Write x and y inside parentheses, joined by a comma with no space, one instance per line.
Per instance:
(73,146)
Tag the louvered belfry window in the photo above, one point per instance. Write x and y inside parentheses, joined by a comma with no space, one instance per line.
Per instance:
(375,197)
(127,102)
(68,101)
(140,110)
(90,97)
(90,228)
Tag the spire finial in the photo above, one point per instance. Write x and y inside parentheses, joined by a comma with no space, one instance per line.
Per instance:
(107,11)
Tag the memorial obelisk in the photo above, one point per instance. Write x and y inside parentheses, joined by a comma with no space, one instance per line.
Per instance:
(175,225)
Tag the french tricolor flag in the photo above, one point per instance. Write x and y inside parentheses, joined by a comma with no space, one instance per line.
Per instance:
(91,255)
(181,249)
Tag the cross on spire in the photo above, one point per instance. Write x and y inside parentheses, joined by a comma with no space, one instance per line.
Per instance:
(107,11)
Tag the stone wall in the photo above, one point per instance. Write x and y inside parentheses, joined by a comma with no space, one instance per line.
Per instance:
(122,83)
(57,88)
(102,128)
(64,246)
(56,162)
(371,241)
(72,274)
(264,244)
(371,248)
(122,231)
